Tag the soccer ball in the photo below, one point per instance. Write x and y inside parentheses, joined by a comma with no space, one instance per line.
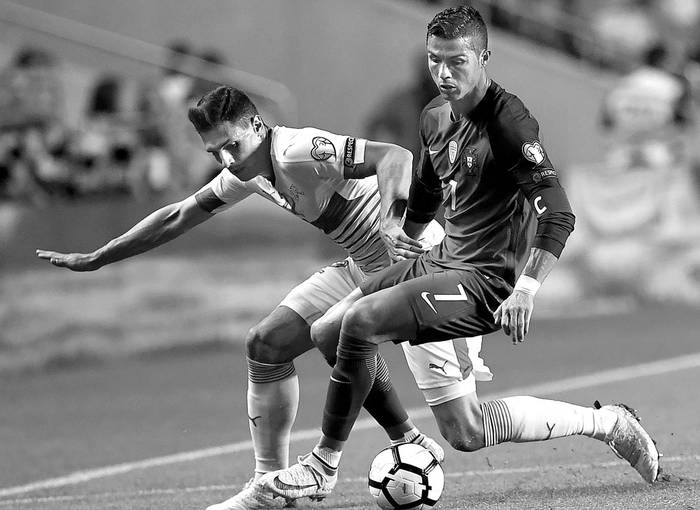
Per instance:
(406,476)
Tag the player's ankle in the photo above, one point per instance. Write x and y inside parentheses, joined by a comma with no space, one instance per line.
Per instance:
(407,436)
(325,459)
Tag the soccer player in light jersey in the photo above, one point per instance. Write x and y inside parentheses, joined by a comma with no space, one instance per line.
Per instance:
(482,156)
(328,180)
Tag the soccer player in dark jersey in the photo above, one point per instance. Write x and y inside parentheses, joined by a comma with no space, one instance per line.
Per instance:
(482,157)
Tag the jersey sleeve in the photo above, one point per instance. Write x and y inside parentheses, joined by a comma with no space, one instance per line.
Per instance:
(222,192)
(331,155)
(425,194)
(519,148)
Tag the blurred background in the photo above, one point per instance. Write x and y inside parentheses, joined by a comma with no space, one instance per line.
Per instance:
(94,135)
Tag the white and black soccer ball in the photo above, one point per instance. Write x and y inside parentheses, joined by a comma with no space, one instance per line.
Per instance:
(406,476)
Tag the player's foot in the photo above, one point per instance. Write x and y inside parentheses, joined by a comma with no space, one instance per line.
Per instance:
(431,445)
(480,370)
(307,479)
(629,441)
(254,496)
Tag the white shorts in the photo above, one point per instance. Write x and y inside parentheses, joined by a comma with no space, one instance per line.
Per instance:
(442,370)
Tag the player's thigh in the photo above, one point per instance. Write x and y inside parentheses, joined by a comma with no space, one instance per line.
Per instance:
(315,296)
(460,422)
(454,304)
(442,370)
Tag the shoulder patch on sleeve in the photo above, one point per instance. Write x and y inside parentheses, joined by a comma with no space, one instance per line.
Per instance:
(533,151)
(322,149)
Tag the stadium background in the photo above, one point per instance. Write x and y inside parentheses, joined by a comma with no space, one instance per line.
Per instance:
(343,66)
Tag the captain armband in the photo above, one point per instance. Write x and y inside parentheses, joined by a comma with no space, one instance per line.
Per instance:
(555,221)
(423,203)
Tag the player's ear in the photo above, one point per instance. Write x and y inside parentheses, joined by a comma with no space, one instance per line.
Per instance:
(258,124)
(485,55)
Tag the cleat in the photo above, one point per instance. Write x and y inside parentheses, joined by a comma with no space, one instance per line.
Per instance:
(254,496)
(629,441)
(302,480)
(431,445)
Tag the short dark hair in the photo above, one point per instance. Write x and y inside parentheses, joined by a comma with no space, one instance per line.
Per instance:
(462,21)
(220,105)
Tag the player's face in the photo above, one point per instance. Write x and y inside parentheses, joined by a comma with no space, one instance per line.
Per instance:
(238,146)
(454,65)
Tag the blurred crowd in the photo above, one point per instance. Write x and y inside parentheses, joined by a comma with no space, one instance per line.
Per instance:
(132,138)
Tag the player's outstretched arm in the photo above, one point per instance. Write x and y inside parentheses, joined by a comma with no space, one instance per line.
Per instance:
(158,228)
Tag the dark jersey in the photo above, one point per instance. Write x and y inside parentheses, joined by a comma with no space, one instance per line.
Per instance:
(485,167)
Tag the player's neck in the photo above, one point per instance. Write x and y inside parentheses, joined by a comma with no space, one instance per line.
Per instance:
(463,106)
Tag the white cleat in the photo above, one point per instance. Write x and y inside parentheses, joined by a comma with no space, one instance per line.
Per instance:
(430,445)
(254,496)
(629,441)
(302,480)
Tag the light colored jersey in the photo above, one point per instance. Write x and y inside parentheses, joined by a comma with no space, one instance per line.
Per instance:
(312,179)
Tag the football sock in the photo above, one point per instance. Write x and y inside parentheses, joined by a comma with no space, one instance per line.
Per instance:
(273,399)
(407,437)
(523,419)
(325,459)
(350,383)
(383,403)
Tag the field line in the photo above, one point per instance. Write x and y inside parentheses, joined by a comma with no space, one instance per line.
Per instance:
(552,387)
(355,480)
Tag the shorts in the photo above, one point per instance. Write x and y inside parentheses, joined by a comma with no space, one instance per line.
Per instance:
(442,370)
(446,303)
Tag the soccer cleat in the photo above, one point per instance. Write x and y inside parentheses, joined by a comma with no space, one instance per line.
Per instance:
(431,445)
(302,480)
(629,441)
(254,496)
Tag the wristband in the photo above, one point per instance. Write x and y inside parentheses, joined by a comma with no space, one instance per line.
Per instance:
(527,284)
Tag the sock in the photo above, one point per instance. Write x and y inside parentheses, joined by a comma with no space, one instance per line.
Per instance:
(273,399)
(325,459)
(383,403)
(407,436)
(523,419)
(351,381)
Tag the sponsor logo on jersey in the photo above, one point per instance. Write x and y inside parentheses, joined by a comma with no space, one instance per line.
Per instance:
(349,153)
(452,151)
(323,148)
(543,174)
(533,151)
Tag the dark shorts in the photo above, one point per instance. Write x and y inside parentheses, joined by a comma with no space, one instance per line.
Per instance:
(446,303)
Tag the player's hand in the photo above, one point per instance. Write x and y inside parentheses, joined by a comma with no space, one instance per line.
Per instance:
(514,315)
(73,261)
(399,245)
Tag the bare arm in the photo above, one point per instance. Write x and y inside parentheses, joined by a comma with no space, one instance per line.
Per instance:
(392,165)
(158,228)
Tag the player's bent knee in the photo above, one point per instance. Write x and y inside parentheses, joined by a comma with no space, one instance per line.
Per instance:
(265,345)
(361,319)
(324,335)
(461,424)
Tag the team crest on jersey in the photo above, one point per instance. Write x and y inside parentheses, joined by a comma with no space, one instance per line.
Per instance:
(323,148)
(533,151)
(452,151)
(469,160)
